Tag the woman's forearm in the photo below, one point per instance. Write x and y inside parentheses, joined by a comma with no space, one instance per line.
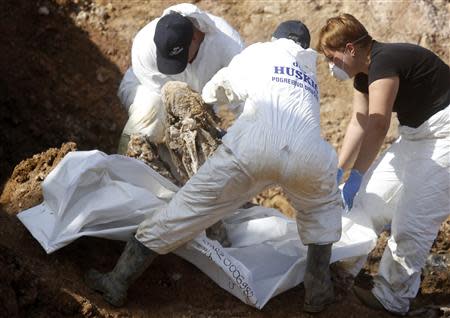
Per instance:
(377,129)
(355,131)
(351,145)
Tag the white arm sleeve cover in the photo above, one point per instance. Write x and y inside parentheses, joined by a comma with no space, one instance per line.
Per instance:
(228,86)
(219,90)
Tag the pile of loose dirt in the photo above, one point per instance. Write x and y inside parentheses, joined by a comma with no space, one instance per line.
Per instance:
(61,63)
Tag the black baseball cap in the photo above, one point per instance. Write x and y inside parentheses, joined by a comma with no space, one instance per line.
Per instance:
(173,36)
(294,30)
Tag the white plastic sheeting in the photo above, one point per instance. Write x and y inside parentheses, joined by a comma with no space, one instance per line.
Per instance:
(93,194)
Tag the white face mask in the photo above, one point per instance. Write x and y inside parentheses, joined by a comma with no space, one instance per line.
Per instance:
(338,72)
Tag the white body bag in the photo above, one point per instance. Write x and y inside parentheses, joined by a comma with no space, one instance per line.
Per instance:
(93,194)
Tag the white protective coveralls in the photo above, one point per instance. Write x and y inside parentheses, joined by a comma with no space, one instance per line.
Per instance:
(140,89)
(409,187)
(276,140)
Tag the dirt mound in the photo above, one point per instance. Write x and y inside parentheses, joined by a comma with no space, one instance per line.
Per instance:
(23,189)
(62,61)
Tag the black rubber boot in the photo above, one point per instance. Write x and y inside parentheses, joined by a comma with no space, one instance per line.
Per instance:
(318,286)
(367,298)
(123,144)
(132,263)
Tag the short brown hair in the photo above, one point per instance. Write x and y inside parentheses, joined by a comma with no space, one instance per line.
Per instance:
(340,30)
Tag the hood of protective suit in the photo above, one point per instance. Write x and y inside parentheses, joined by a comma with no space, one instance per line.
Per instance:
(201,19)
(306,58)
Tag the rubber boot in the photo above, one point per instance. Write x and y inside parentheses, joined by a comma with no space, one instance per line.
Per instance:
(132,263)
(318,286)
(123,144)
(367,298)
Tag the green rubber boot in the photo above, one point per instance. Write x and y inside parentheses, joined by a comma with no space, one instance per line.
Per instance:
(319,290)
(132,263)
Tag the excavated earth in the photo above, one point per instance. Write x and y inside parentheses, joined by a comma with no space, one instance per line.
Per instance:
(61,63)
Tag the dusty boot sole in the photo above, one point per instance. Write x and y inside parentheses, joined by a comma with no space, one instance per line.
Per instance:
(317,308)
(313,309)
(98,282)
(367,298)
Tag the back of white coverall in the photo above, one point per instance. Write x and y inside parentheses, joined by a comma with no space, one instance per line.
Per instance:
(276,140)
(140,89)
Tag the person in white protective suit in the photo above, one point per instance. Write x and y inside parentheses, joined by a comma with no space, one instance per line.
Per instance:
(276,140)
(409,185)
(184,44)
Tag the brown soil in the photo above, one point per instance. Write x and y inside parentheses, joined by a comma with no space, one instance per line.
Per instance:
(58,93)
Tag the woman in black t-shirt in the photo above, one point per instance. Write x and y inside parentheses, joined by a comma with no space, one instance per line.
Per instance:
(409,185)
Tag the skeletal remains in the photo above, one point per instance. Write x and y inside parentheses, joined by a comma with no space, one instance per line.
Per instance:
(191,136)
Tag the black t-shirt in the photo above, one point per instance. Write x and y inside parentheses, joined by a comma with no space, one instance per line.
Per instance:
(424,87)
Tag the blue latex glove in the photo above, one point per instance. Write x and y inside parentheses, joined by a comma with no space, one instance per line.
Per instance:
(340,174)
(351,188)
